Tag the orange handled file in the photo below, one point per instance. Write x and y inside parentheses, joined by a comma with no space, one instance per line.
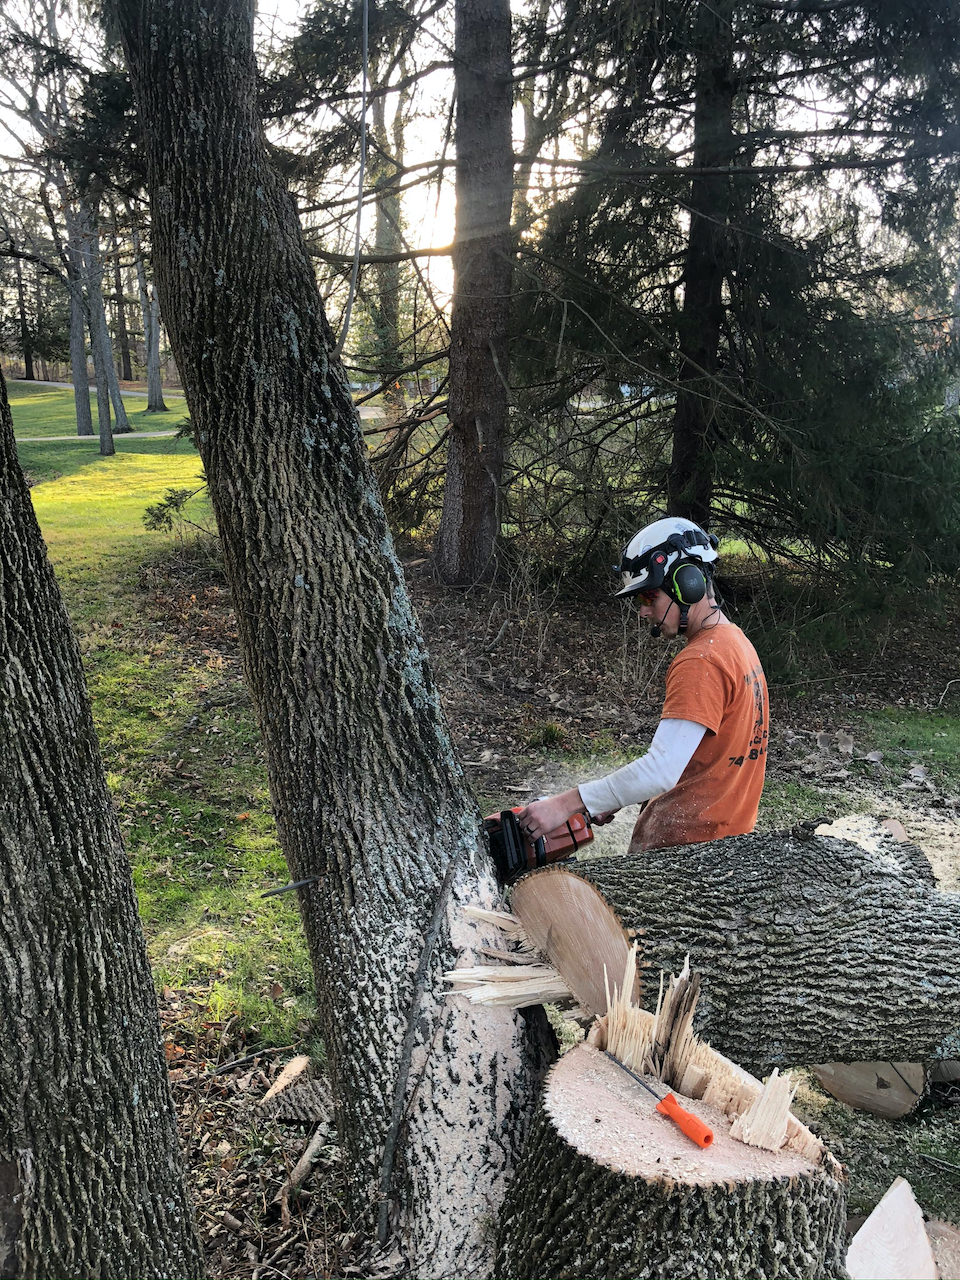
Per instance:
(668,1106)
(690,1124)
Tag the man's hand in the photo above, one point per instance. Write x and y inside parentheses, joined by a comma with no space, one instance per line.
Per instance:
(542,816)
(601,819)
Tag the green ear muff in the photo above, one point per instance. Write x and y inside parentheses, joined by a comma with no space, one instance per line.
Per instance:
(688,583)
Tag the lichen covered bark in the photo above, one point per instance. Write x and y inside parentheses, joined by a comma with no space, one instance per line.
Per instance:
(90,1175)
(810,950)
(367,793)
(571,1215)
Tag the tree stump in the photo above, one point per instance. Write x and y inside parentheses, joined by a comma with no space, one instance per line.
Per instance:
(607,1187)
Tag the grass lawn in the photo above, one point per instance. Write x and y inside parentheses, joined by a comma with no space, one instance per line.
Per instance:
(180,747)
(49,411)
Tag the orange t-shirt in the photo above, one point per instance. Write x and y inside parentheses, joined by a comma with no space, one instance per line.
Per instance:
(716,681)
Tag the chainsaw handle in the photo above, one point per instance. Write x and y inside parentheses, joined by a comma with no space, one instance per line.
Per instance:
(689,1124)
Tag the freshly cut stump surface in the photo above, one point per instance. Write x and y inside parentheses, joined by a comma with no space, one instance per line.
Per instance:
(609,1188)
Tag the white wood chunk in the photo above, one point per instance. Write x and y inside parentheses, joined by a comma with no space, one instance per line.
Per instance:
(893,1242)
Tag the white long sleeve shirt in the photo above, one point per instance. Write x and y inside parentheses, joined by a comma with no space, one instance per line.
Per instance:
(659,769)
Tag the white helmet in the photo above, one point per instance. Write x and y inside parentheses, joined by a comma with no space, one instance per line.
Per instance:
(657,548)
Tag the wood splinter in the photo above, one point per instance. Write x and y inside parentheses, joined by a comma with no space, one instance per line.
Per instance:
(604,1179)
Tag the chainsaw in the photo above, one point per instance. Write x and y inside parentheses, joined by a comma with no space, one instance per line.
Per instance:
(513,851)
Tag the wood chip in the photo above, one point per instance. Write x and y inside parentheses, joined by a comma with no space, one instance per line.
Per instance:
(890,1089)
(292,1071)
(893,1242)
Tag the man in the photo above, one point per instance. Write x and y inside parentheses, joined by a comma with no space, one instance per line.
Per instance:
(702,777)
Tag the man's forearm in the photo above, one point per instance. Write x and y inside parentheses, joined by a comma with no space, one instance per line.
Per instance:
(656,771)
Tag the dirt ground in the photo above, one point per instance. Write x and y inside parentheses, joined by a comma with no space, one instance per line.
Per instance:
(540,694)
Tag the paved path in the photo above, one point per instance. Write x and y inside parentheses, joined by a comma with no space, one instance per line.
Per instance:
(366,411)
(95,438)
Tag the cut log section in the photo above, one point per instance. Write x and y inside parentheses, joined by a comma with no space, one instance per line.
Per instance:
(888,1089)
(893,1242)
(609,1187)
(945,1240)
(812,950)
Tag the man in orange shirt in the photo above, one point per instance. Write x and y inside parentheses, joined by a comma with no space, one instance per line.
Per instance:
(702,776)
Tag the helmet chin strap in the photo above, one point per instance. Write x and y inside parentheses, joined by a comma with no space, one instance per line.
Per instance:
(657,629)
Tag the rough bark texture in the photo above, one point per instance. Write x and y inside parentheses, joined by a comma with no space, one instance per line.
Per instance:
(810,950)
(90,1178)
(430,1098)
(690,477)
(568,1214)
(482,264)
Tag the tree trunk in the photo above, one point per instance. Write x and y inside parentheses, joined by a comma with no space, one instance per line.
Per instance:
(691,473)
(78,363)
(100,343)
(385,164)
(123,336)
(90,1176)
(91,272)
(369,800)
(26,342)
(151,330)
(951,400)
(810,950)
(71,254)
(482,265)
(608,1187)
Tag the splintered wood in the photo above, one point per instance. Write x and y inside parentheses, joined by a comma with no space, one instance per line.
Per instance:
(663,1045)
(521,979)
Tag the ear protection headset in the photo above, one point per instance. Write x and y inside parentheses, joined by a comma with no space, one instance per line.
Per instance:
(685,582)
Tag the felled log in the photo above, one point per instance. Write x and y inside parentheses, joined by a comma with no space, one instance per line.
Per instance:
(810,950)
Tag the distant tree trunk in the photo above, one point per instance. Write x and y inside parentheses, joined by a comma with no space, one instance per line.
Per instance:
(100,344)
(385,163)
(151,330)
(78,365)
(431,1098)
(123,336)
(691,473)
(90,1170)
(26,342)
(482,263)
(100,351)
(71,254)
(951,400)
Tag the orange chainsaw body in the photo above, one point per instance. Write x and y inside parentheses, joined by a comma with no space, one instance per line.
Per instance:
(514,852)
